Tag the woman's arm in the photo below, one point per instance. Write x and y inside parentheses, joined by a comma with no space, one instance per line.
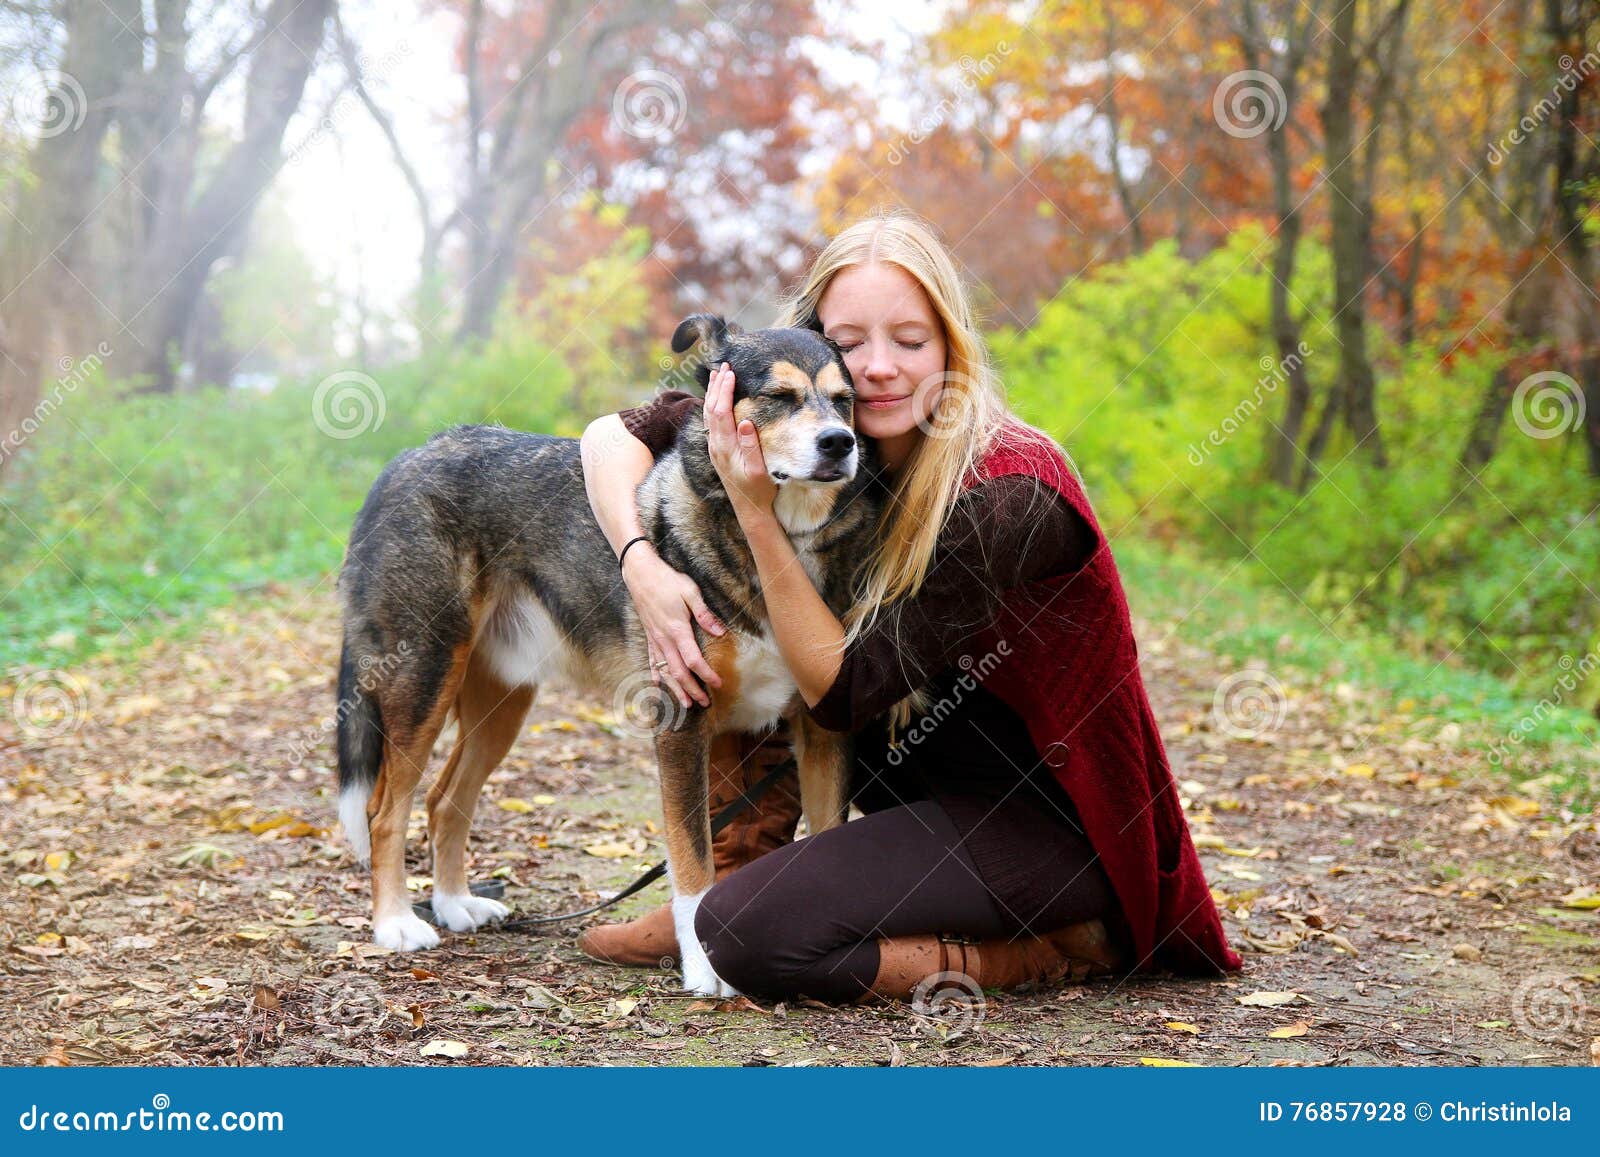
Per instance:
(614,464)
(807,633)
(999,534)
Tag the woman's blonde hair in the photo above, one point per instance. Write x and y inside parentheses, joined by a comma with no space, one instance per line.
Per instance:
(971,413)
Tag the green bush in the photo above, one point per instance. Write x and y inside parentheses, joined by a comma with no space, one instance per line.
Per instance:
(1133,368)
(125,507)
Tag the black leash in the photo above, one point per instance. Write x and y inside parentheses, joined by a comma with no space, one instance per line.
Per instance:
(496,888)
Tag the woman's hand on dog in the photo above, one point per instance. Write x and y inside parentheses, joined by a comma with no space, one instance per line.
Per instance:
(667,600)
(735,450)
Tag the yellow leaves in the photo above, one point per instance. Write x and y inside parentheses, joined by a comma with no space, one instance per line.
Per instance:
(360,951)
(1268,999)
(1516,805)
(1578,899)
(208,989)
(201,855)
(523,807)
(615,849)
(285,827)
(57,861)
(1298,1028)
(1167,1063)
(453,1049)
(1361,771)
(1182,1026)
(134,707)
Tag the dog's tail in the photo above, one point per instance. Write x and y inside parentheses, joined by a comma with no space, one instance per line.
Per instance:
(360,743)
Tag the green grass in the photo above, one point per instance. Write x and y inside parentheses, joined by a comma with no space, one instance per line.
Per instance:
(127,516)
(1241,612)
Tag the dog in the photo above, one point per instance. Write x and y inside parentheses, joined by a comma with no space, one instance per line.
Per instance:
(476,571)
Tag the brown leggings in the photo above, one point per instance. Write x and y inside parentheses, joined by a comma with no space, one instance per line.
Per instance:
(805,919)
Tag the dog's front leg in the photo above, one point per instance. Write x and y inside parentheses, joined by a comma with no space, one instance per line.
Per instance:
(683,753)
(823,760)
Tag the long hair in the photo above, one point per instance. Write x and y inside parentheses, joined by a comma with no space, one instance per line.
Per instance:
(970,417)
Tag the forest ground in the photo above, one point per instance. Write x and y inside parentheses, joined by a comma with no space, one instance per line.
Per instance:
(176,892)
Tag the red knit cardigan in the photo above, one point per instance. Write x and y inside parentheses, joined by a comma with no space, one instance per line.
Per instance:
(1071,672)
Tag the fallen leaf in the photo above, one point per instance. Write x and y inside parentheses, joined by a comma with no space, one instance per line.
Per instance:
(1182,1026)
(1167,1063)
(1361,771)
(266,998)
(444,1048)
(611,849)
(1268,999)
(1298,1028)
(520,806)
(1468,952)
(1574,900)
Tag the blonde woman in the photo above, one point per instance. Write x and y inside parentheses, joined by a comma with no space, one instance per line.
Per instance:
(1022,825)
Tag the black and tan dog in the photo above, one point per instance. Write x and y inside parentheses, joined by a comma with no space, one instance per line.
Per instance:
(476,571)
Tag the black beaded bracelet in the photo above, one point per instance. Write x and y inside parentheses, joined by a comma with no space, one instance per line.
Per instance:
(627,546)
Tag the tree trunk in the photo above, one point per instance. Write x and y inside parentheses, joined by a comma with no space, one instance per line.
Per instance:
(180,253)
(1351,216)
(43,249)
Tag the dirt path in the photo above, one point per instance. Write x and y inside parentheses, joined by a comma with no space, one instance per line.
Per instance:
(174,895)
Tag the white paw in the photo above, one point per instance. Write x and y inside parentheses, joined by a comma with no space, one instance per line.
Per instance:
(699,977)
(465,913)
(404,933)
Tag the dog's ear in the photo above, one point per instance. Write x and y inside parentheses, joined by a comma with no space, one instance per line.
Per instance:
(702,327)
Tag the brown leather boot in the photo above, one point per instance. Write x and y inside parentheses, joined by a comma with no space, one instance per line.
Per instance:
(1075,952)
(737,762)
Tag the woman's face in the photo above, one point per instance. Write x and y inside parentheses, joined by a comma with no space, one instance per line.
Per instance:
(893,343)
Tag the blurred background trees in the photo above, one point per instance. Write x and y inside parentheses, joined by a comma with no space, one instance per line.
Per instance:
(1307,285)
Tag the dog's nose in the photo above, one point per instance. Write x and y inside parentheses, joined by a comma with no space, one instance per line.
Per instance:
(836,443)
